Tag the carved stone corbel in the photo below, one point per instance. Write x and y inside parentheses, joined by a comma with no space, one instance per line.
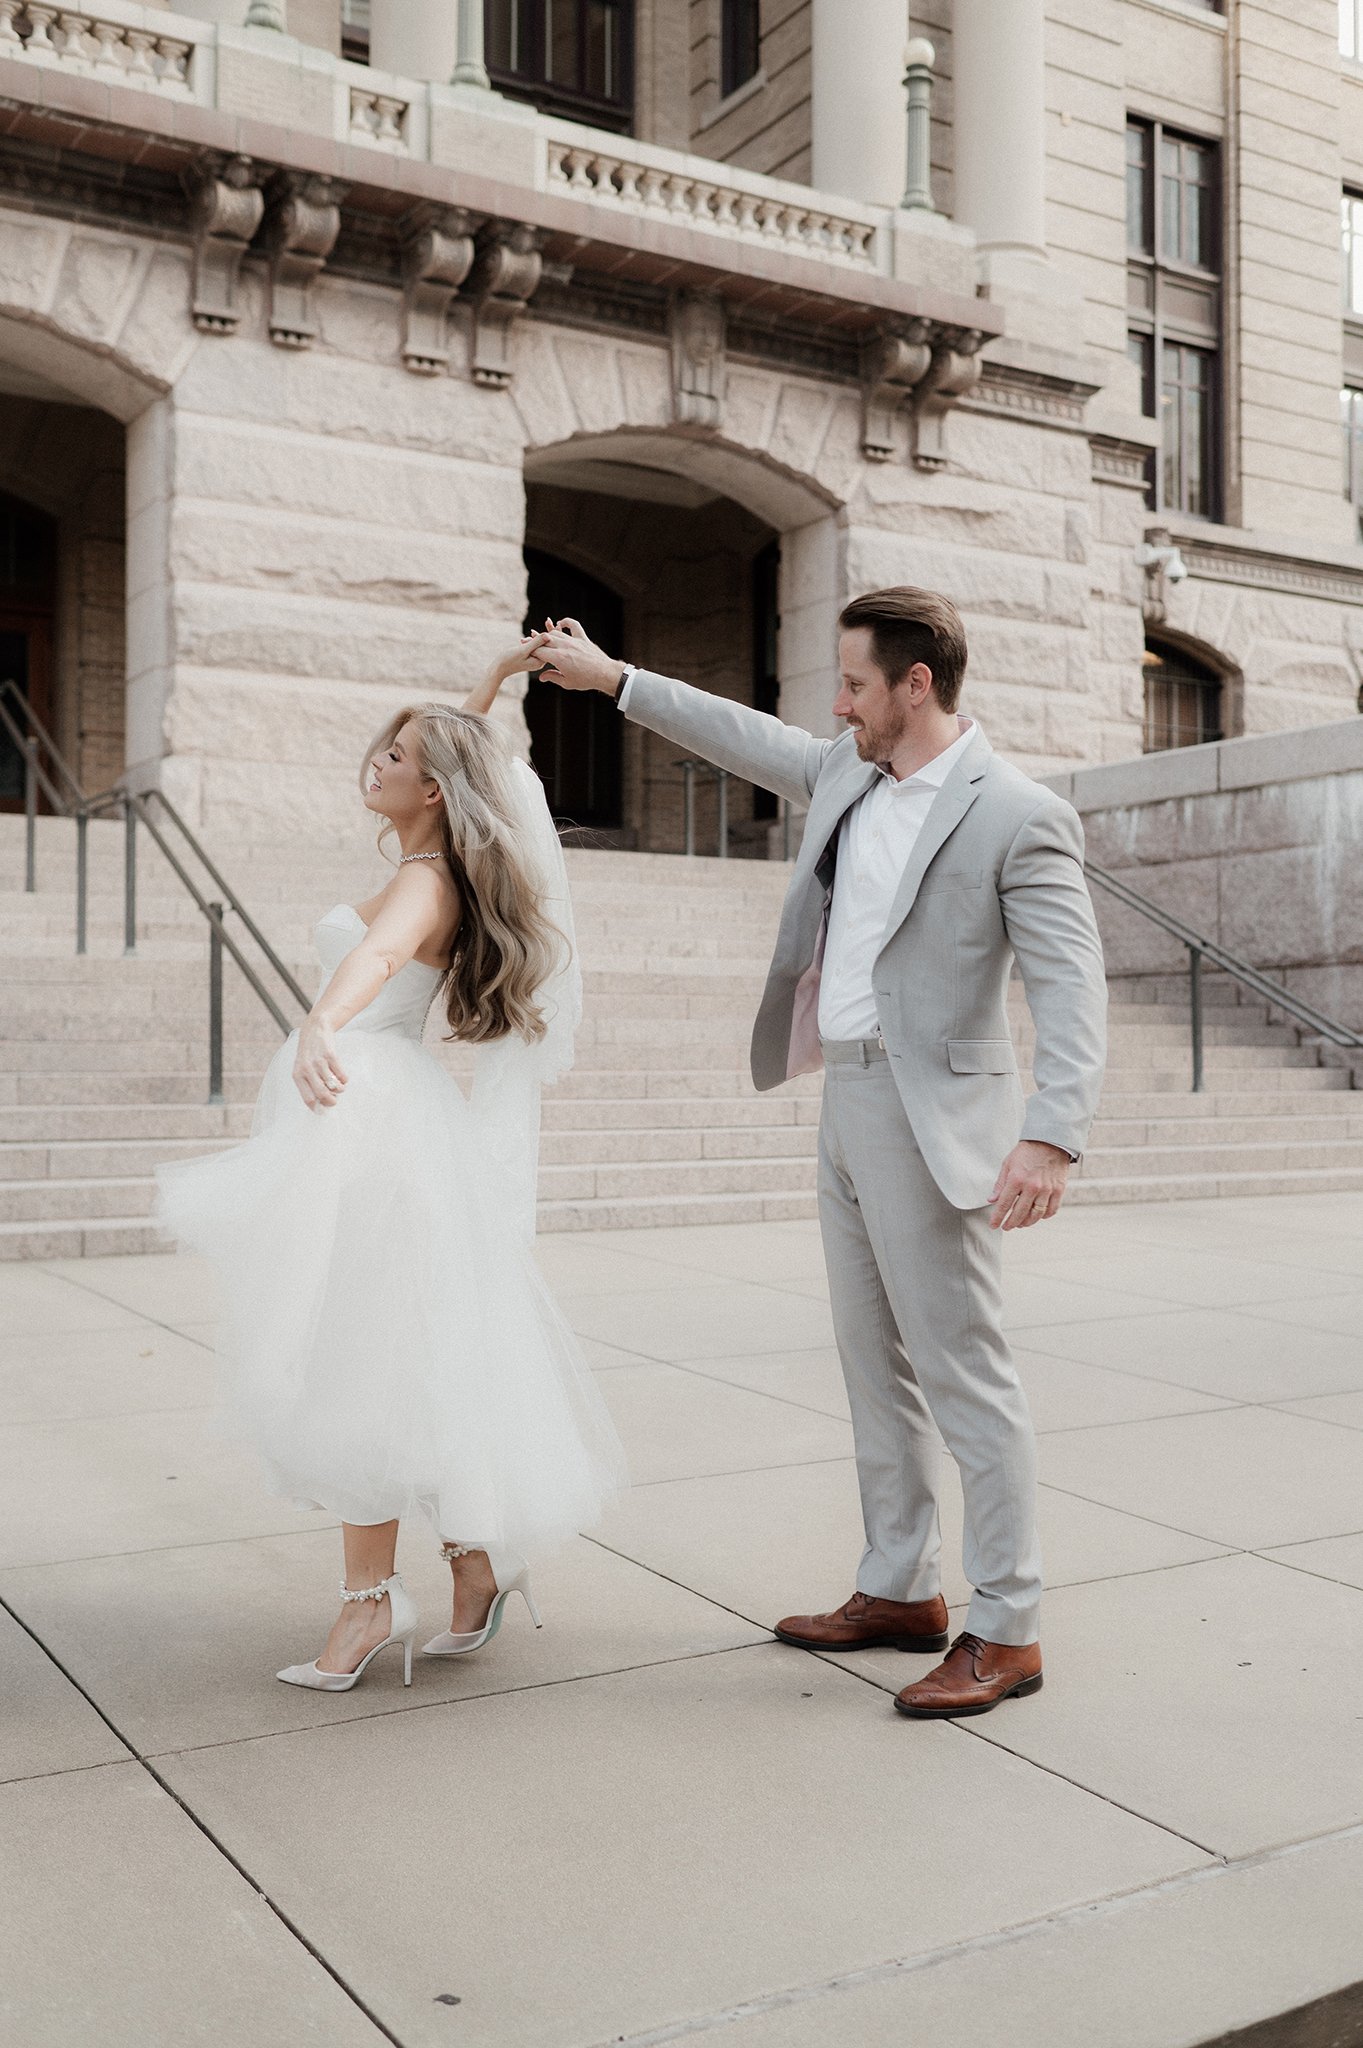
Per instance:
(506,270)
(954,370)
(300,232)
(697,328)
(891,366)
(226,204)
(436,258)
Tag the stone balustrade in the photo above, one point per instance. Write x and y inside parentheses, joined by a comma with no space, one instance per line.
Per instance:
(111,45)
(697,192)
(379,119)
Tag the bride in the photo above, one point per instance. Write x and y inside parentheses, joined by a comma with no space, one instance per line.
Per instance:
(387,1341)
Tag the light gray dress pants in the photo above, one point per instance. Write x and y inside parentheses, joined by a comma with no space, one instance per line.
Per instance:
(917,1311)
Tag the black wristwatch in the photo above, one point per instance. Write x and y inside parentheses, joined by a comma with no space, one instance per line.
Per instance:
(626,672)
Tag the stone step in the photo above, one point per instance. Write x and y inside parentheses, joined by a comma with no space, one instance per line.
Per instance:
(777,1110)
(1223,1076)
(97,1159)
(1105,1162)
(1328,1087)
(1196,1187)
(662,1211)
(637,1145)
(1229,1130)
(109,1123)
(676,1176)
(58,1201)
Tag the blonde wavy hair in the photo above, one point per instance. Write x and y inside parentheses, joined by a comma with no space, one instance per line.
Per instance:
(506,948)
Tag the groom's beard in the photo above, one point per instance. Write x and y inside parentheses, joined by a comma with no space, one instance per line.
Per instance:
(877,742)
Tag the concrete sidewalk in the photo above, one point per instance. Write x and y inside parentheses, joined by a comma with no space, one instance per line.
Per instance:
(648,1822)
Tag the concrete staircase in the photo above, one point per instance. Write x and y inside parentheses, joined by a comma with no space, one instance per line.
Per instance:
(103,1060)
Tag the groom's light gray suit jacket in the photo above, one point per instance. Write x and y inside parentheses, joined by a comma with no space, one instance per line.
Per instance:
(997,873)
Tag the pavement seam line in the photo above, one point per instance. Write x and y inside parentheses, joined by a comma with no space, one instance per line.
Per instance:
(459,1700)
(142,1763)
(1047,1770)
(975,1944)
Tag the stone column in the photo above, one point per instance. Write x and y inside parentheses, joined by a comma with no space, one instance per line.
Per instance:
(999,98)
(858,99)
(414,38)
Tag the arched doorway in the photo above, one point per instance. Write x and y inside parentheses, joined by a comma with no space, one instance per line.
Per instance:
(28,603)
(683,579)
(1184,698)
(574,738)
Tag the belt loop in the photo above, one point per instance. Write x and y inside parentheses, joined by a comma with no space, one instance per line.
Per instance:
(861,1052)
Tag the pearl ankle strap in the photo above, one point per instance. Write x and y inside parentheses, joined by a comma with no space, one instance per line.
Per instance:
(378,1592)
(449,1550)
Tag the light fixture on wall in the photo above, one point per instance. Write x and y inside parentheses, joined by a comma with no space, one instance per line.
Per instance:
(1159,557)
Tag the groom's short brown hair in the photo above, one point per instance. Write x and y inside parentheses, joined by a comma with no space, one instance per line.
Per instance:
(909,625)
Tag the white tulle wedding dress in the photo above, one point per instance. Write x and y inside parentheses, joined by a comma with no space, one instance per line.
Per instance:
(387,1341)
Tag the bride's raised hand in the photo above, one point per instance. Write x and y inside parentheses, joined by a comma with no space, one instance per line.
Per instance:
(317,1073)
(522,659)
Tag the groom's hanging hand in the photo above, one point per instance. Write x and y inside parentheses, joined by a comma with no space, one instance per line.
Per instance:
(576,662)
(1030,1186)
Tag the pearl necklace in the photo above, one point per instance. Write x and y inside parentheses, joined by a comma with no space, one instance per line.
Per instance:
(419,856)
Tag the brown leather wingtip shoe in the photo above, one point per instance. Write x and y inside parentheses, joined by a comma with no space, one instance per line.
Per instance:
(864,1623)
(972,1678)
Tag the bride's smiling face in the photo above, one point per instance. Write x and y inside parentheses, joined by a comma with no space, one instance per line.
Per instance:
(397,788)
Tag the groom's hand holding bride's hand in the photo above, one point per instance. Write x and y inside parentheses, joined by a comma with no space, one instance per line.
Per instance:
(576,662)
(1030,1186)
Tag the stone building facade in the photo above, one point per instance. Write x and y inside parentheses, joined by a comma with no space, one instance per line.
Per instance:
(332,336)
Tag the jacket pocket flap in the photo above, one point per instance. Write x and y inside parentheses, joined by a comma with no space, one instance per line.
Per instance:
(981,1056)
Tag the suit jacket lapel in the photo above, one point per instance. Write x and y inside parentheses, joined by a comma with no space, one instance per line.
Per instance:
(949,806)
(852,788)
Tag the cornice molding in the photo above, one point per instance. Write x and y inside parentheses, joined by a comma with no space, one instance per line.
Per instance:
(1258,568)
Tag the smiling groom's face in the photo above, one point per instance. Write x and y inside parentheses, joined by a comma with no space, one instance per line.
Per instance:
(877,712)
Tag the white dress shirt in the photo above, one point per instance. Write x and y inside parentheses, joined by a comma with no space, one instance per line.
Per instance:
(875,841)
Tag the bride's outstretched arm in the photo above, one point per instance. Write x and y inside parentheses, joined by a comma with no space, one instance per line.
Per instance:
(415,910)
(518,660)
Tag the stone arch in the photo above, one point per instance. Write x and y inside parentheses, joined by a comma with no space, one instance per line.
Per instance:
(95,321)
(803,512)
(786,449)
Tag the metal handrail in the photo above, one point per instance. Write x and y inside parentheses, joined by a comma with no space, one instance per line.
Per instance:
(1201,948)
(691,766)
(135,807)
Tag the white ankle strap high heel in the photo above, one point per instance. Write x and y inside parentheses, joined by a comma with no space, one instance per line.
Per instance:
(402,1621)
(510,1574)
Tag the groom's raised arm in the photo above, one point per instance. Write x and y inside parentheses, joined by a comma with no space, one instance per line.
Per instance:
(749,743)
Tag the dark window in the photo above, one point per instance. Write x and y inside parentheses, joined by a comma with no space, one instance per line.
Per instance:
(575,735)
(28,589)
(1182,699)
(1174,310)
(741,44)
(766,620)
(1351,419)
(573,57)
(355,31)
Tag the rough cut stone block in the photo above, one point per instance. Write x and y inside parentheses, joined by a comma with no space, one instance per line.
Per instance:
(320,476)
(158,337)
(30,257)
(97,277)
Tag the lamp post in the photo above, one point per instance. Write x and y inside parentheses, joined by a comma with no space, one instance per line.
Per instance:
(919,58)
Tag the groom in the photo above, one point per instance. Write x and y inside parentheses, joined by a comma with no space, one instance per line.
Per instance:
(928,866)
